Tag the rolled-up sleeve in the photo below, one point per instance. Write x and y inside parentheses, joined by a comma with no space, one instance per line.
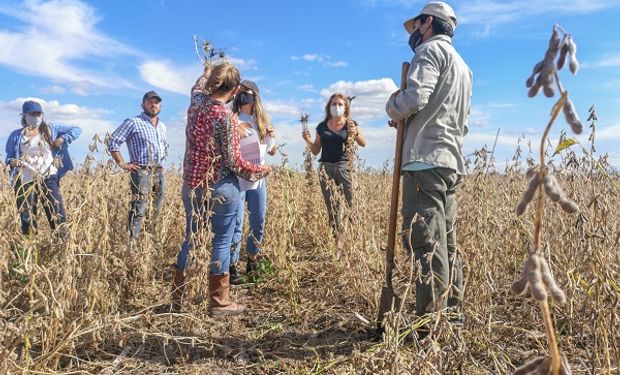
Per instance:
(68,133)
(422,79)
(120,135)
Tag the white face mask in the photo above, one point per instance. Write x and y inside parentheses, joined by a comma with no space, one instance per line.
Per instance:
(33,121)
(336,110)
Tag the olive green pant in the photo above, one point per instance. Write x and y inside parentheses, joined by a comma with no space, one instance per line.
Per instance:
(429,208)
(335,179)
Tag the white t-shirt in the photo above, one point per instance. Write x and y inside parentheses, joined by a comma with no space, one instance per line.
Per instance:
(37,158)
(253,150)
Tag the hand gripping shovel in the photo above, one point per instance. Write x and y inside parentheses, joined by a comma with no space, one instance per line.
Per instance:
(388,298)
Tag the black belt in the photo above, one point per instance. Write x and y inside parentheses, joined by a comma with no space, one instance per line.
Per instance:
(152,167)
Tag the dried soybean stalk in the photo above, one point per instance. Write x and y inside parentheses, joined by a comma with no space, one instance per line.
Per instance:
(563,52)
(553,191)
(547,75)
(557,294)
(528,195)
(534,278)
(556,194)
(530,81)
(571,117)
(529,366)
(572,50)
(537,275)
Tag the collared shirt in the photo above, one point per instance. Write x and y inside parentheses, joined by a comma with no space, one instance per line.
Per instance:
(435,105)
(146,142)
(212,144)
(68,133)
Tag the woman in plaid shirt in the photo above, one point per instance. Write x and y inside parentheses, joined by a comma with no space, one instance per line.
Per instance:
(211,165)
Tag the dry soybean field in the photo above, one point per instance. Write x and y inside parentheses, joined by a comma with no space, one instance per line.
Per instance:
(90,305)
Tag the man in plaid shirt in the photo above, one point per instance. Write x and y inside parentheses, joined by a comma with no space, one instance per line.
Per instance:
(145,136)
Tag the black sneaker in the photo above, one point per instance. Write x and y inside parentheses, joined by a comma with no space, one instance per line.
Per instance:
(251,266)
(235,276)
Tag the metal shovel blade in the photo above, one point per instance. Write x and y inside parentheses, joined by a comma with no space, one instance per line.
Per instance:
(389,300)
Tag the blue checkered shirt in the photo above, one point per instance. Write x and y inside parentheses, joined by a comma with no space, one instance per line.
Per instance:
(146,142)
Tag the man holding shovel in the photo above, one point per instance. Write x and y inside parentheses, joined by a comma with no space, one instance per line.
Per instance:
(433,109)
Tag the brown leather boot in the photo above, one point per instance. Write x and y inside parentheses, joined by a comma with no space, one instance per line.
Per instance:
(178,287)
(219,297)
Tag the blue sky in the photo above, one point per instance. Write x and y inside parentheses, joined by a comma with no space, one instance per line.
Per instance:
(91,62)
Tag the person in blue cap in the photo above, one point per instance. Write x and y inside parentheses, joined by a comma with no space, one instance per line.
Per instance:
(38,156)
(145,136)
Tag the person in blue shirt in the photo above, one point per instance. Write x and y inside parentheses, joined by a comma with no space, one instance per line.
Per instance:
(38,156)
(145,136)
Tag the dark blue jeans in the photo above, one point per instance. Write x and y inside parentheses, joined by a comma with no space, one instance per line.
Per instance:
(220,208)
(30,194)
(143,183)
(257,205)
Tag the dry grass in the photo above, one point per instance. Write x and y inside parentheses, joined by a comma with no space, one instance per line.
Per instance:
(90,306)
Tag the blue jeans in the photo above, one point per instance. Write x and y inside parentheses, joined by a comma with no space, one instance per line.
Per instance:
(257,205)
(29,194)
(143,183)
(222,206)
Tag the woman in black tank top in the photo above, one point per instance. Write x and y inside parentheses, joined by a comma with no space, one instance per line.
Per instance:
(333,137)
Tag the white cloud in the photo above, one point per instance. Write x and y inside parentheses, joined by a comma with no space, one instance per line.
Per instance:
(312,57)
(243,64)
(308,88)
(282,109)
(370,96)
(336,64)
(494,12)
(167,76)
(54,89)
(611,132)
(325,60)
(604,62)
(179,79)
(54,36)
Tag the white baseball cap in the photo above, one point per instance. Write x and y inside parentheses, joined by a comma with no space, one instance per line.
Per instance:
(437,9)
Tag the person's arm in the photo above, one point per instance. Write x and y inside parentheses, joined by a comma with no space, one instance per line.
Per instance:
(423,76)
(315,147)
(354,130)
(199,86)
(11,157)
(232,157)
(118,158)
(65,134)
(118,137)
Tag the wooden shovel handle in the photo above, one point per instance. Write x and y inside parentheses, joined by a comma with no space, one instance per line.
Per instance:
(400,132)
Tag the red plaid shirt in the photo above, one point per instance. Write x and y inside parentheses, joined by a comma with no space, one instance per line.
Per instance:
(212,145)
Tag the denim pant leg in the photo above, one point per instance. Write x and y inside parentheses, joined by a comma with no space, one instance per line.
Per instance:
(195,219)
(238,234)
(141,185)
(225,203)
(257,205)
(424,194)
(26,205)
(52,203)
(159,187)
